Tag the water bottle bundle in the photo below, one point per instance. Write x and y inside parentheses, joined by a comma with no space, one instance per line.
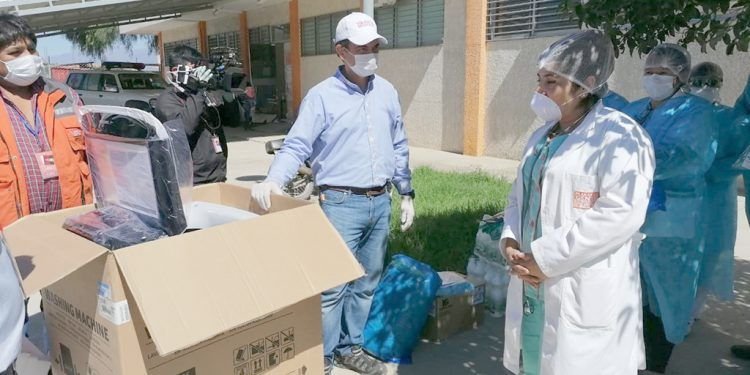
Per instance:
(495,277)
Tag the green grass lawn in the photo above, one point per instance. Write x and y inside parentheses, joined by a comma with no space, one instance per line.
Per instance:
(448,208)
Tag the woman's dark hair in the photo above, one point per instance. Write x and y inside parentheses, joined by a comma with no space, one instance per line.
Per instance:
(589,100)
(182,55)
(13,29)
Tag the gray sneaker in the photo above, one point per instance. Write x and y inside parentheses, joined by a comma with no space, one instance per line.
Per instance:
(327,366)
(361,362)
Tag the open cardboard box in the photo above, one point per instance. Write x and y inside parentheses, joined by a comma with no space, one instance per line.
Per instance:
(241,298)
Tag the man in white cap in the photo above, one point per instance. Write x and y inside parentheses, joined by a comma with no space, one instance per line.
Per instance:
(350,127)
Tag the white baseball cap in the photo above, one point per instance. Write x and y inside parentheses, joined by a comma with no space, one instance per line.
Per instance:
(359,29)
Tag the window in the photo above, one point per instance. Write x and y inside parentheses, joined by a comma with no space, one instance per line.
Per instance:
(318,33)
(92,82)
(141,81)
(169,47)
(412,23)
(408,24)
(75,81)
(229,39)
(269,34)
(109,83)
(507,19)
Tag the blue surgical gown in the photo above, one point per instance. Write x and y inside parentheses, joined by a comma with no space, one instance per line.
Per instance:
(682,133)
(615,101)
(720,204)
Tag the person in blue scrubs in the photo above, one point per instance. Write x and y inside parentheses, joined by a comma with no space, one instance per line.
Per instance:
(720,224)
(681,128)
(742,106)
(615,101)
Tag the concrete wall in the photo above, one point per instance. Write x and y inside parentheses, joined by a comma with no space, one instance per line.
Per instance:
(277,14)
(230,23)
(189,31)
(311,8)
(511,79)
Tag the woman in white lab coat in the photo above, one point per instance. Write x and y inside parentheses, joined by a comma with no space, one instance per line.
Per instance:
(11,312)
(571,224)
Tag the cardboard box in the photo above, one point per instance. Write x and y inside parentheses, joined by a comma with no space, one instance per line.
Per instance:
(236,299)
(453,314)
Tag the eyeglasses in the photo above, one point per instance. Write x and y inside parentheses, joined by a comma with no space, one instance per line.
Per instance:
(706,82)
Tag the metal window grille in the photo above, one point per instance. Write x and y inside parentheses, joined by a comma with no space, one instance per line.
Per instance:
(409,23)
(412,23)
(508,19)
(260,35)
(229,39)
(170,46)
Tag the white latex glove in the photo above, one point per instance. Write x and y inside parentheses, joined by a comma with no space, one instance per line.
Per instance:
(202,74)
(407,212)
(261,193)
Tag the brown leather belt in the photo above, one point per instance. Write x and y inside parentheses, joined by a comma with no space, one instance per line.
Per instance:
(370,192)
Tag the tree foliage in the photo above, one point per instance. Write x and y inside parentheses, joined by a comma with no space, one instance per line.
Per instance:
(639,25)
(95,42)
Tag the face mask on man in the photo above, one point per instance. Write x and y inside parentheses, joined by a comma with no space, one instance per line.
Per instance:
(23,71)
(706,92)
(365,65)
(658,86)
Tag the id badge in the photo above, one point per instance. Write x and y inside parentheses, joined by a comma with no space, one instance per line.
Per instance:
(46,162)
(217,144)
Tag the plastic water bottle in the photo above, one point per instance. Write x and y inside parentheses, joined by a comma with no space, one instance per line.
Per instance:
(496,291)
(475,269)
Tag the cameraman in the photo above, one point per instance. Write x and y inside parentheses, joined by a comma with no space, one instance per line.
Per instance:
(195,101)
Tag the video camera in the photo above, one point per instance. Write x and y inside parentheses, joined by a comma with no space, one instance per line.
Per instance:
(221,58)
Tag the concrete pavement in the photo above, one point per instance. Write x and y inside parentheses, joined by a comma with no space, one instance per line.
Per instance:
(706,350)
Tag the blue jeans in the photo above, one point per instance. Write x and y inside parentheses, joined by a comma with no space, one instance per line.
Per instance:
(363,222)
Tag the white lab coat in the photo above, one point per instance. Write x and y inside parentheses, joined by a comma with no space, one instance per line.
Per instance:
(11,310)
(594,198)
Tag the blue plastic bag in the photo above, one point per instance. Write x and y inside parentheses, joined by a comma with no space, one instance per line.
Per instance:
(399,309)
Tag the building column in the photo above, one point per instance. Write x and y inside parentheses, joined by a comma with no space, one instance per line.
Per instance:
(245,44)
(296,54)
(202,38)
(475,78)
(162,54)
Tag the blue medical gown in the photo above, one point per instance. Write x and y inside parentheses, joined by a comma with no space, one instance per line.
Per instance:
(742,107)
(615,101)
(720,203)
(682,133)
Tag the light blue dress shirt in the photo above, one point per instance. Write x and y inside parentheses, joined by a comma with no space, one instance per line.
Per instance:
(352,138)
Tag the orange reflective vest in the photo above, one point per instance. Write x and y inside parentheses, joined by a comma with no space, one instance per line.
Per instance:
(57,105)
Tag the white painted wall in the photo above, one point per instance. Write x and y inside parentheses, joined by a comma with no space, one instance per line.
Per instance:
(223,25)
(511,79)
(277,14)
(311,8)
(189,31)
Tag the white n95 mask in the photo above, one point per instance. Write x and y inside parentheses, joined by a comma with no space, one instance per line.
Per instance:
(545,108)
(658,86)
(364,65)
(23,71)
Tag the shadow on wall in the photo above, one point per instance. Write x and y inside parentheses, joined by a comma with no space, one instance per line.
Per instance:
(511,81)
(419,84)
